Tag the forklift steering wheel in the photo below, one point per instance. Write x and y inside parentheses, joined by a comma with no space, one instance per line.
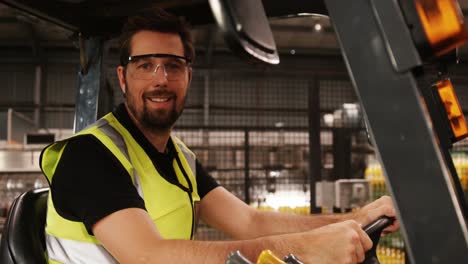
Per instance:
(374,230)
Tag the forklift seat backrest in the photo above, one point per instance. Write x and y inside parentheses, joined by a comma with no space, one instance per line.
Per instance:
(23,239)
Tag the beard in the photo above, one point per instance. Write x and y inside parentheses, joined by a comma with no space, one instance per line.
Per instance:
(154,119)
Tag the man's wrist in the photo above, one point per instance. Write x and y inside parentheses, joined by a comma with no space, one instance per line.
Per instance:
(356,215)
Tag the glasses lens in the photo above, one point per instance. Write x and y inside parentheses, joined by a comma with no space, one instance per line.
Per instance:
(147,68)
(175,69)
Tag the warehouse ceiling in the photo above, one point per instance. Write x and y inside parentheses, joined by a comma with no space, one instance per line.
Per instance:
(52,23)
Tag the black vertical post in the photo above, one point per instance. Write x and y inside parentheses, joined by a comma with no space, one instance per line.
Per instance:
(341,153)
(315,157)
(381,62)
(247,167)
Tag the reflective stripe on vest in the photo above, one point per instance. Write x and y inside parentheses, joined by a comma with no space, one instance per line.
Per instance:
(189,156)
(115,136)
(71,251)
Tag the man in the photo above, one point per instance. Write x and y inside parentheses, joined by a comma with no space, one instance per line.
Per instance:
(125,190)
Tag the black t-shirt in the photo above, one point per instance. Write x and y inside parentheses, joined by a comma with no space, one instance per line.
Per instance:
(90,183)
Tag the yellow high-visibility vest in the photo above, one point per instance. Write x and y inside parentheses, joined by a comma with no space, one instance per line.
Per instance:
(171,207)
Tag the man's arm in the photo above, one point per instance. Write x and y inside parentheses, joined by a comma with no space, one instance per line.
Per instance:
(131,237)
(222,210)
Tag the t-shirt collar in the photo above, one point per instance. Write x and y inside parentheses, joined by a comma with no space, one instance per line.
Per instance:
(120,112)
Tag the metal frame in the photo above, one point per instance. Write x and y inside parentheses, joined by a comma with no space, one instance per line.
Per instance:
(380,56)
(89,82)
(315,148)
(341,153)
(441,126)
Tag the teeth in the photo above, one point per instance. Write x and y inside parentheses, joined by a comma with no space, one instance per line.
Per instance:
(159,100)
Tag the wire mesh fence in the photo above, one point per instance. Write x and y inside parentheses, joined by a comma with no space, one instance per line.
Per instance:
(255,141)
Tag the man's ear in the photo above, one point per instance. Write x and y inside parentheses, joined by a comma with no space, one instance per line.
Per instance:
(121,75)
(189,76)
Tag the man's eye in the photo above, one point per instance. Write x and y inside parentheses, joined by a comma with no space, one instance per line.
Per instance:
(145,66)
(173,66)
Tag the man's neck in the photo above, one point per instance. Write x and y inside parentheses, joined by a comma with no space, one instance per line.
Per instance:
(157,138)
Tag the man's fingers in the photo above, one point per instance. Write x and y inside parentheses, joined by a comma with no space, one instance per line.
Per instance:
(360,252)
(392,228)
(365,240)
(376,209)
(360,240)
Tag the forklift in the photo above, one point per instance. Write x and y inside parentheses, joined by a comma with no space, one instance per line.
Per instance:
(413,120)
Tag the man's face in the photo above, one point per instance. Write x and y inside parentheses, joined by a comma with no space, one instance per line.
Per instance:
(154,103)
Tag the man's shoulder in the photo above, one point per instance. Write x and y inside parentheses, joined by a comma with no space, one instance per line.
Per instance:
(83,140)
(86,151)
(83,144)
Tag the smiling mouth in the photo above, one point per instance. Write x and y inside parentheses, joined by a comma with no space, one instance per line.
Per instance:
(159,100)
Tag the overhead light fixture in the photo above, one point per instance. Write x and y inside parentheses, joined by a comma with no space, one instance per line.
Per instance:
(318,27)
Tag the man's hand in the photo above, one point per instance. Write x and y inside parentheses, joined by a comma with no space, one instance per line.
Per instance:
(343,242)
(371,212)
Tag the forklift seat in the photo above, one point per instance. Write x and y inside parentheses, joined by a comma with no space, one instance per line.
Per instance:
(23,239)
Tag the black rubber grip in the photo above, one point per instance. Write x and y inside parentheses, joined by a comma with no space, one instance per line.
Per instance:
(379,224)
(374,230)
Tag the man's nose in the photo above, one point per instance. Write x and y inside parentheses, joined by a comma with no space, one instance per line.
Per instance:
(161,71)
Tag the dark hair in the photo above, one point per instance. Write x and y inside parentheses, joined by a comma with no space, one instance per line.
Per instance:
(155,19)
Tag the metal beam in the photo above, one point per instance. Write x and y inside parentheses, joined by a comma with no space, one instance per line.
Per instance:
(372,34)
(89,82)
(38,72)
(341,153)
(247,181)
(307,29)
(315,151)
(45,10)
